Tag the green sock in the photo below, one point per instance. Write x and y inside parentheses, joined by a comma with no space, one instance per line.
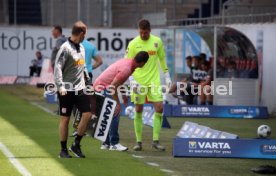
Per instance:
(138,125)
(157,124)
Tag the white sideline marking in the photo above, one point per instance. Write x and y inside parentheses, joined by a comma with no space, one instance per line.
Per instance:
(43,108)
(153,164)
(137,156)
(167,170)
(14,161)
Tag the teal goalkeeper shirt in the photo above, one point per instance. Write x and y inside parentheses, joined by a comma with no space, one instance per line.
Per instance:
(90,53)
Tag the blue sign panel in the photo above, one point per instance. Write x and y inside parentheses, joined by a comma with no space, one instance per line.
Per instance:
(226,148)
(219,111)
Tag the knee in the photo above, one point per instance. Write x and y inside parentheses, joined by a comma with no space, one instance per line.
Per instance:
(159,108)
(139,108)
(64,121)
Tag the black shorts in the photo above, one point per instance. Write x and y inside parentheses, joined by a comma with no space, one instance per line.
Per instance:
(71,99)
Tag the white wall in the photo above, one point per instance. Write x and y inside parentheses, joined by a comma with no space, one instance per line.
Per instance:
(18,46)
(269,59)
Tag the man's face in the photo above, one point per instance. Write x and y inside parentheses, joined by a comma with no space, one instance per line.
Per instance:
(38,54)
(82,36)
(189,63)
(144,34)
(55,33)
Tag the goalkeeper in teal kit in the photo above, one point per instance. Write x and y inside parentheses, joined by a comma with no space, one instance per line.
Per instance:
(145,82)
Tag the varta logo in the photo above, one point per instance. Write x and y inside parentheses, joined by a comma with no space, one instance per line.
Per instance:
(198,109)
(192,144)
(270,147)
(214,145)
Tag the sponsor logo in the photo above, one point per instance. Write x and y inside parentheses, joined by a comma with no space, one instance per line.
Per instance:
(106,116)
(151,52)
(195,109)
(268,149)
(79,62)
(209,145)
(63,110)
(192,144)
(198,74)
(238,111)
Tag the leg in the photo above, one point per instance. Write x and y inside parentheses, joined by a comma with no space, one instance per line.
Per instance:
(65,109)
(209,96)
(83,123)
(155,96)
(113,131)
(38,71)
(138,126)
(32,70)
(202,96)
(63,128)
(113,137)
(139,101)
(158,107)
(138,122)
(63,135)
(83,104)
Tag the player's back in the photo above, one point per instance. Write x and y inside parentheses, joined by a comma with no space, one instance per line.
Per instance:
(120,70)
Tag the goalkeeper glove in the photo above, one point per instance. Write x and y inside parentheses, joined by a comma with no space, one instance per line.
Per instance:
(168,80)
(133,84)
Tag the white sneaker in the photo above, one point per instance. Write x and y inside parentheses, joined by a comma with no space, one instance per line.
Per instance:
(105,147)
(118,147)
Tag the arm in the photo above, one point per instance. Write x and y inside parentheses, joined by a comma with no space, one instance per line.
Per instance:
(163,64)
(115,84)
(55,50)
(58,75)
(98,61)
(162,57)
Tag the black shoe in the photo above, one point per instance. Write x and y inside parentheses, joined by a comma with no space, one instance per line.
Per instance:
(64,154)
(264,169)
(138,146)
(76,150)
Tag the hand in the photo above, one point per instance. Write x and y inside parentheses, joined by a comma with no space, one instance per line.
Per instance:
(133,84)
(168,80)
(62,91)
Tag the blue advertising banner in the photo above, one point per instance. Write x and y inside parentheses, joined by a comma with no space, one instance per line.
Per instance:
(225,148)
(219,111)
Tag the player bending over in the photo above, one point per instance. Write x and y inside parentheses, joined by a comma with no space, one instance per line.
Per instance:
(114,76)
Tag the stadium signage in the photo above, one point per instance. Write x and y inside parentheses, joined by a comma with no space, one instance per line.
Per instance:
(193,110)
(213,145)
(238,111)
(19,44)
(218,111)
(230,148)
(268,149)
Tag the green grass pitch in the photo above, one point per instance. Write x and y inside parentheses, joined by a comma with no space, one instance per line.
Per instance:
(32,136)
